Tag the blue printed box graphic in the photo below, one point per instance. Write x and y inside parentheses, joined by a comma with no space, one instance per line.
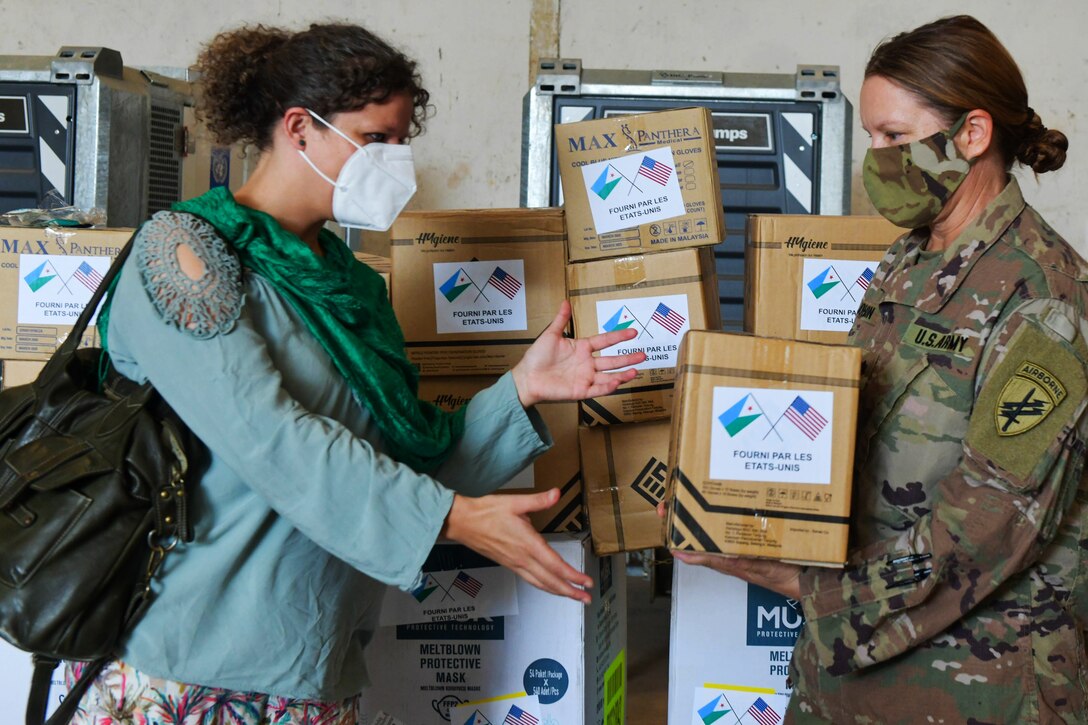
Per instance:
(773,620)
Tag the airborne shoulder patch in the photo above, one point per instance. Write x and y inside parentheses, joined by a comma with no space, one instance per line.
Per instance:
(1023,405)
(1027,399)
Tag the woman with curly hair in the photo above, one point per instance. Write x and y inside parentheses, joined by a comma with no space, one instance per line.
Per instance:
(326,477)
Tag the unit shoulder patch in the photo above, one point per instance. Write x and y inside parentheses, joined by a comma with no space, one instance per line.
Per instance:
(1024,405)
(1027,398)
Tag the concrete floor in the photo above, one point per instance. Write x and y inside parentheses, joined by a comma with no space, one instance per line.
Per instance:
(647,652)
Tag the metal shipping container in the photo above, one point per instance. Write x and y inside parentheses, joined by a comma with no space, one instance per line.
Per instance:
(782,141)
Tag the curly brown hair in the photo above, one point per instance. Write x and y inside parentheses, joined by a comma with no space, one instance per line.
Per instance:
(956,64)
(252,74)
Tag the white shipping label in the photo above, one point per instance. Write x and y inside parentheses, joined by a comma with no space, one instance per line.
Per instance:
(54,289)
(479,296)
(831,290)
(632,190)
(453,595)
(515,709)
(779,436)
(660,321)
(733,703)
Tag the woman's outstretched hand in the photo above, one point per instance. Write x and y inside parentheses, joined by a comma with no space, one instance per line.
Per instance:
(498,527)
(563,368)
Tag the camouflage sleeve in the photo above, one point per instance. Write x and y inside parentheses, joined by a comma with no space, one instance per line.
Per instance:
(1023,456)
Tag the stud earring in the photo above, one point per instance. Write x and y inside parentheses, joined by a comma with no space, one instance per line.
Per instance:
(302,143)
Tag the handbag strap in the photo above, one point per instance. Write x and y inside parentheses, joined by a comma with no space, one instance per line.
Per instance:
(72,341)
(38,703)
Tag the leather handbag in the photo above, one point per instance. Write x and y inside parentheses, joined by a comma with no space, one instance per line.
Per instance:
(92,496)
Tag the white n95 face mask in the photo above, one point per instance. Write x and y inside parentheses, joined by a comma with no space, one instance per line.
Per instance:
(374,184)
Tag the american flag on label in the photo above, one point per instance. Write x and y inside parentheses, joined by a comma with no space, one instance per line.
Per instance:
(865,278)
(763,712)
(655,171)
(668,318)
(470,585)
(504,282)
(807,419)
(517,716)
(86,275)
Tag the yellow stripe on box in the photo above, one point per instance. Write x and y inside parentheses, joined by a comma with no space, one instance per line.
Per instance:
(511,696)
(741,688)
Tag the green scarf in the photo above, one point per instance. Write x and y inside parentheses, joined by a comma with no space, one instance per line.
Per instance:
(344,303)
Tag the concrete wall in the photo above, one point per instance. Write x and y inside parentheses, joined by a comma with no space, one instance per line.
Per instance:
(475,58)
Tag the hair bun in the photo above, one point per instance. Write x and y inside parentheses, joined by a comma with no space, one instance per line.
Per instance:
(1041,148)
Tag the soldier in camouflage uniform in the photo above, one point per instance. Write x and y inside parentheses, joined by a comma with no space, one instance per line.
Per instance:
(964,600)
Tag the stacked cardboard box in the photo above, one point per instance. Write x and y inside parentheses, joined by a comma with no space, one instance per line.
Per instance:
(18,372)
(661,297)
(473,641)
(474,288)
(805,275)
(46,278)
(627,465)
(762,447)
(756,627)
(640,183)
(643,204)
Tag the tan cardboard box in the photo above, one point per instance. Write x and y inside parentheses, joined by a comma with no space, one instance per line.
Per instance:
(47,277)
(660,295)
(625,473)
(558,467)
(474,288)
(762,447)
(805,275)
(19,372)
(640,183)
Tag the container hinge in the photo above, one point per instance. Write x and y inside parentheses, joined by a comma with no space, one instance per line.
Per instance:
(818,83)
(73,64)
(559,76)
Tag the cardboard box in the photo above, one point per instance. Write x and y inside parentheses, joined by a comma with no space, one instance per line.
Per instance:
(19,372)
(762,447)
(47,277)
(557,468)
(625,473)
(660,295)
(740,660)
(640,183)
(554,658)
(475,287)
(805,275)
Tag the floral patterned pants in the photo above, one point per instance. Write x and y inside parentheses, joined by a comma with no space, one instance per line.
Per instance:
(122,695)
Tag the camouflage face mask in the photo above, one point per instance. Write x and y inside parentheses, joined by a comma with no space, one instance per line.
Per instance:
(910,184)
